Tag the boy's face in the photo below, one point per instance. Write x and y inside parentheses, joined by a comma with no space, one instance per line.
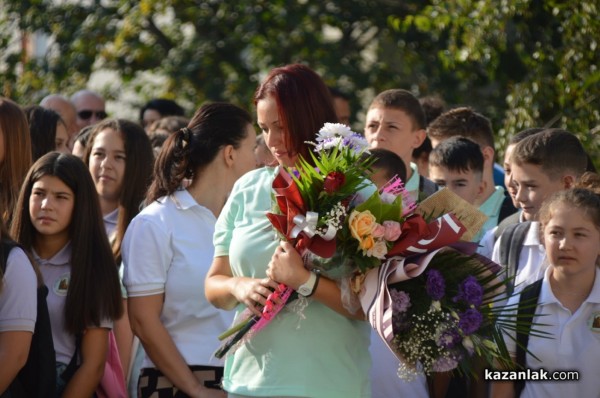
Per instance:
(392,129)
(532,186)
(468,185)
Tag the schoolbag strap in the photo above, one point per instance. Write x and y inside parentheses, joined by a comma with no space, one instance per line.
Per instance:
(502,225)
(529,296)
(5,248)
(73,365)
(511,243)
(505,240)
(516,246)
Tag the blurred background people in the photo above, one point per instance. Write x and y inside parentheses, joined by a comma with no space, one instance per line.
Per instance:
(158,108)
(90,108)
(48,131)
(65,108)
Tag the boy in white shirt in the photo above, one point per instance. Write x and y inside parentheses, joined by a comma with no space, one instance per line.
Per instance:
(541,165)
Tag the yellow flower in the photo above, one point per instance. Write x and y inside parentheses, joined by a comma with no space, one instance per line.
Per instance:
(361,226)
(367,243)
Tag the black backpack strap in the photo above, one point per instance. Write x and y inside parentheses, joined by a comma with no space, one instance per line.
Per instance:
(5,249)
(511,244)
(74,363)
(502,225)
(529,296)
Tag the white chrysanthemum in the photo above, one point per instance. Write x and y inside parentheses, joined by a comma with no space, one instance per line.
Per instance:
(331,130)
(328,144)
(358,142)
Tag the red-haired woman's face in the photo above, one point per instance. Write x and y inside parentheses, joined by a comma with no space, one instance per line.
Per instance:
(273,132)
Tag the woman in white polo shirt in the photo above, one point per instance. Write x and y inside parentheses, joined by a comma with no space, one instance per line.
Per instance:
(168,250)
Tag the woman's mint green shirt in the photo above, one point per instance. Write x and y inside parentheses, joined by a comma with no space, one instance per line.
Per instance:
(313,353)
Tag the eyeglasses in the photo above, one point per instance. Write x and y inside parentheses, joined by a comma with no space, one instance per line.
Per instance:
(85,115)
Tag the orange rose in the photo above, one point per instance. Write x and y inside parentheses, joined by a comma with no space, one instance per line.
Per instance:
(367,243)
(361,224)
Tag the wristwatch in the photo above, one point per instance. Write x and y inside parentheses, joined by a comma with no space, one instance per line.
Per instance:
(308,288)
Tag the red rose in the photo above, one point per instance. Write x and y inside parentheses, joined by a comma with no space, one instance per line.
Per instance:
(333,182)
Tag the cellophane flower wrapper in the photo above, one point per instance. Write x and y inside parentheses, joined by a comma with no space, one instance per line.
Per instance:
(439,311)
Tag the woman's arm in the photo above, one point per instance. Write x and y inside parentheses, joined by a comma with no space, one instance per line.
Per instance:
(94,348)
(144,316)
(287,267)
(225,291)
(124,339)
(14,350)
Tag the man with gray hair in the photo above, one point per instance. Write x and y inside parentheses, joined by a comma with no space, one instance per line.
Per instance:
(90,107)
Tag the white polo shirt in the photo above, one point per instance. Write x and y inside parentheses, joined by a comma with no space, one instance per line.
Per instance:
(168,249)
(18,294)
(57,276)
(575,345)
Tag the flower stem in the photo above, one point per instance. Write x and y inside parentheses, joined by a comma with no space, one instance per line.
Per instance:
(234,329)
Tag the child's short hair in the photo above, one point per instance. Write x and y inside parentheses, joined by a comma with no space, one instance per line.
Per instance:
(556,151)
(463,121)
(433,106)
(521,135)
(584,196)
(457,154)
(391,164)
(402,100)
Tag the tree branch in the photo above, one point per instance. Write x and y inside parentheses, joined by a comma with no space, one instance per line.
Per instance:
(161,38)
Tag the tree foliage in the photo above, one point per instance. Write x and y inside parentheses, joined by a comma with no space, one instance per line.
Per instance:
(522,63)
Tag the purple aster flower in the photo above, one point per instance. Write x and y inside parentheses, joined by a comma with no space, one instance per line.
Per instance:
(444,364)
(470,321)
(449,338)
(400,301)
(435,285)
(470,291)
(400,323)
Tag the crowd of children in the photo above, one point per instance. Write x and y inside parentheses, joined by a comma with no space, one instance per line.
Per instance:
(145,239)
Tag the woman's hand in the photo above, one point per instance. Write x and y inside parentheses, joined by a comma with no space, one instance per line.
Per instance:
(286,266)
(253,292)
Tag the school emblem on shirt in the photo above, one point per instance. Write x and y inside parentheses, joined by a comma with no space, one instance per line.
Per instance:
(61,286)
(595,322)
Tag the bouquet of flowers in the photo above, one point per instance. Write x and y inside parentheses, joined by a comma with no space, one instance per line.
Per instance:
(428,297)
(436,311)
(321,208)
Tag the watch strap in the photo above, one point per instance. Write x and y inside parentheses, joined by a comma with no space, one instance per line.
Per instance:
(314,289)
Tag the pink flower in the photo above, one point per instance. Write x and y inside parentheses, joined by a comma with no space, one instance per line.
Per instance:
(392,230)
(378,231)
(379,250)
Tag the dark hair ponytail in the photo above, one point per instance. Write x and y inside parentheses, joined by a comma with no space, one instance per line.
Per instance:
(186,152)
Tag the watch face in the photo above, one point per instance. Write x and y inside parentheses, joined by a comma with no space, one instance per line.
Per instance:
(303,290)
